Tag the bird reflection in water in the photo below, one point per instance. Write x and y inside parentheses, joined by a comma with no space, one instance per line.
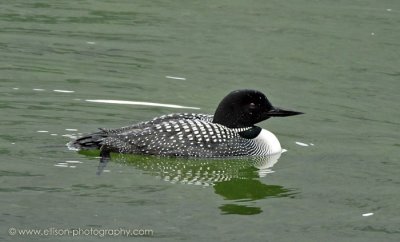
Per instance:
(235,179)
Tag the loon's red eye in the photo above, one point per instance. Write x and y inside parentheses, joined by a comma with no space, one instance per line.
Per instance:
(252,105)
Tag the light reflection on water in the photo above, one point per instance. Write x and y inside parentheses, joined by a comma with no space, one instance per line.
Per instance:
(139,103)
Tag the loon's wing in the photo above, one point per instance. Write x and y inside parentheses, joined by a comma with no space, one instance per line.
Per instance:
(180,137)
(159,120)
(95,140)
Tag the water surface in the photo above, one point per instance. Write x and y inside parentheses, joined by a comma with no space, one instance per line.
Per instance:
(336,61)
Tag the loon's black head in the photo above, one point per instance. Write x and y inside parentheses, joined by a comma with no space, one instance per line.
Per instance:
(244,108)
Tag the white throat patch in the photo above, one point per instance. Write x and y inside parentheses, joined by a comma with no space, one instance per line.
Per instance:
(268,142)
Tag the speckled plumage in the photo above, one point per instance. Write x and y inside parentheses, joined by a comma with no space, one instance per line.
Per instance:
(179,134)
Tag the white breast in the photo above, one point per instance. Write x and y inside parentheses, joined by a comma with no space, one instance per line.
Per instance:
(268,143)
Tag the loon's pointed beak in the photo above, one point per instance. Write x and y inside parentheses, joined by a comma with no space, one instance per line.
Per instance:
(279,112)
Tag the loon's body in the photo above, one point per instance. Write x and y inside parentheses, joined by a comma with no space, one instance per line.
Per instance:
(229,132)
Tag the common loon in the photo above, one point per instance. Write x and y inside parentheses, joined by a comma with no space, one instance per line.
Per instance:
(231,131)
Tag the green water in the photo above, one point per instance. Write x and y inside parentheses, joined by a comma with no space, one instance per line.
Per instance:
(337,61)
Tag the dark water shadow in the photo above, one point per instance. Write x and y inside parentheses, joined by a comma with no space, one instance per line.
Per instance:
(236,180)
(246,190)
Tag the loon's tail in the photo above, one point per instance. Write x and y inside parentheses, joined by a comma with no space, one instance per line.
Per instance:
(89,142)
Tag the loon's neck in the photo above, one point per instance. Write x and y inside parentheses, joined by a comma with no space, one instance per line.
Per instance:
(251,133)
